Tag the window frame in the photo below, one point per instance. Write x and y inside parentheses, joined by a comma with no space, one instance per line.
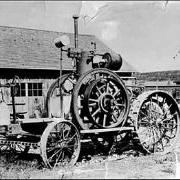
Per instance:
(29,89)
(21,92)
(34,89)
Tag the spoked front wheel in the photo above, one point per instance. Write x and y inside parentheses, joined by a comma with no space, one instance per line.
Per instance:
(60,144)
(157,121)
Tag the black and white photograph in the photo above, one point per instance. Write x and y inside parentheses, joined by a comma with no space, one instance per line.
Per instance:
(89,89)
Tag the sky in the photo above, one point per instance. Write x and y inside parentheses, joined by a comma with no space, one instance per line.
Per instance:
(145,33)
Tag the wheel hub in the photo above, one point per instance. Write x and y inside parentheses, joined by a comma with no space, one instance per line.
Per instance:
(158,121)
(62,145)
(107,103)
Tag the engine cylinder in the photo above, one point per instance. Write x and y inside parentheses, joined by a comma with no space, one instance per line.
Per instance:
(112,62)
(84,64)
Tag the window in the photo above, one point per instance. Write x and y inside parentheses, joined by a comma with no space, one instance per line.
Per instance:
(21,91)
(34,89)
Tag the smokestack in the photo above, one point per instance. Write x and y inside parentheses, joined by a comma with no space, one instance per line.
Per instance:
(76,30)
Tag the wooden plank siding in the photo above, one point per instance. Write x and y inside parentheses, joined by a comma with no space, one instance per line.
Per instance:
(31,102)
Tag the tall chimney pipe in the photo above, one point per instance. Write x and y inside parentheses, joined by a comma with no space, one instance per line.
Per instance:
(76,30)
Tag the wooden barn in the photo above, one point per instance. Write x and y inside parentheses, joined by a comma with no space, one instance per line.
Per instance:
(31,55)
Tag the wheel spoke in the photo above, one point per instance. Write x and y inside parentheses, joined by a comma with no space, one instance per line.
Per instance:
(62,133)
(94,100)
(156,112)
(68,133)
(97,120)
(50,158)
(114,118)
(57,159)
(98,90)
(102,87)
(154,140)
(144,121)
(116,93)
(104,120)
(69,140)
(107,87)
(92,104)
(157,135)
(70,151)
(121,105)
(51,137)
(98,110)
(166,110)
(160,138)
(49,149)
(141,112)
(62,156)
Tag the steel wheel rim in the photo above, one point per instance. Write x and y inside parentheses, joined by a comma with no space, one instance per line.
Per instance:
(60,144)
(158,123)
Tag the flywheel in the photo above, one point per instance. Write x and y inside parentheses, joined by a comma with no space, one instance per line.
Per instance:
(100,100)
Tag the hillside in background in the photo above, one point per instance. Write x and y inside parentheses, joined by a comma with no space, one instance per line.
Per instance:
(159,75)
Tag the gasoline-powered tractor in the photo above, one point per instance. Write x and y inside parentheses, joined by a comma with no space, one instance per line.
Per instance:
(94,103)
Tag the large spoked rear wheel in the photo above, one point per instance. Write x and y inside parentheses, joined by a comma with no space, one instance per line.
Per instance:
(157,121)
(100,100)
(60,144)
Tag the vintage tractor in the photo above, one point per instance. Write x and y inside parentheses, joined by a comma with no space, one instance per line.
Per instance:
(94,103)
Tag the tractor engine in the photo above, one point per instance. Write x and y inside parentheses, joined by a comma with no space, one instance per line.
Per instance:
(89,60)
(96,95)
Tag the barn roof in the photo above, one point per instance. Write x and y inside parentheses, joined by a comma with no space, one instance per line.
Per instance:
(22,48)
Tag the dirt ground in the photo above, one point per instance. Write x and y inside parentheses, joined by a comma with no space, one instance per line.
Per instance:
(125,166)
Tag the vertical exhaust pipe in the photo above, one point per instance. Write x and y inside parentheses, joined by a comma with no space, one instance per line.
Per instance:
(76,30)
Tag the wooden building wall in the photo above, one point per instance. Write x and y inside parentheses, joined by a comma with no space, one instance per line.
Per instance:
(25,100)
